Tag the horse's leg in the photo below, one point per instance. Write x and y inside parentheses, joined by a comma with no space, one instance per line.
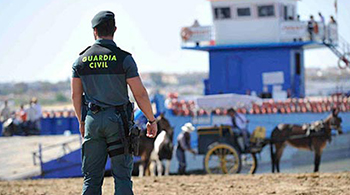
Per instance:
(279,151)
(167,167)
(159,167)
(141,169)
(318,153)
(147,171)
(152,168)
(317,161)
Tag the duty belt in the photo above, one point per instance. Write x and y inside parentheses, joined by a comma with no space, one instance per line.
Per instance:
(130,136)
(96,108)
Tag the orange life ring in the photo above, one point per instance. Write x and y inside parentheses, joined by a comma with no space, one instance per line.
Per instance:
(343,62)
(186,34)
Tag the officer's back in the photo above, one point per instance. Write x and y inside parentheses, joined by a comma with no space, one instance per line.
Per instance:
(102,73)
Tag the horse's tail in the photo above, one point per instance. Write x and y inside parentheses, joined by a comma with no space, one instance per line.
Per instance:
(272,157)
(272,153)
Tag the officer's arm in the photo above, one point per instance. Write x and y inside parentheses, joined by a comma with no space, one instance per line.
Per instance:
(141,96)
(77,92)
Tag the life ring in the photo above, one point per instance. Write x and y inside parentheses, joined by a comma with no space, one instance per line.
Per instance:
(186,34)
(343,62)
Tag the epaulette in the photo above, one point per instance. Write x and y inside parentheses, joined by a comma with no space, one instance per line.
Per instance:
(81,53)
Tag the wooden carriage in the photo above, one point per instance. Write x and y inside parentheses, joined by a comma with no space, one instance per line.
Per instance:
(222,146)
(223,150)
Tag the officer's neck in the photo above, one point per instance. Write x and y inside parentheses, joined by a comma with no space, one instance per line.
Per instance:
(105,37)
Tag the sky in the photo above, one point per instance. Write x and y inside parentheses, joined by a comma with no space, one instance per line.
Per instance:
(41,39)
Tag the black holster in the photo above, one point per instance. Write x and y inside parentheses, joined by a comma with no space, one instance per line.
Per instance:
(132,132)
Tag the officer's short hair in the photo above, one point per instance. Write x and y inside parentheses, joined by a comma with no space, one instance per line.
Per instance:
(106,28)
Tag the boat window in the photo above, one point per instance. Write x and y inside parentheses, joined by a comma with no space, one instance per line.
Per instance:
(266,10)
(222,13)
(285,13)
(241,12)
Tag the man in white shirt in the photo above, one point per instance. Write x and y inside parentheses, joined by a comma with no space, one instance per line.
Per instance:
(5,112)
(240,122)
(184,144)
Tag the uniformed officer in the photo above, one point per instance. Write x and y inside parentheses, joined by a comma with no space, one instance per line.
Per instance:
(102,72)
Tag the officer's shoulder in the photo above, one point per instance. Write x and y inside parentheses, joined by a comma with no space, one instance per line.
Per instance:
(82,52)
(124,52)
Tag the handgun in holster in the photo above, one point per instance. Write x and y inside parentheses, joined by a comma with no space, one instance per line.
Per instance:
(132,132)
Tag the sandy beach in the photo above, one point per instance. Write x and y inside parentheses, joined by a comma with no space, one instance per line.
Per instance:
(302,184)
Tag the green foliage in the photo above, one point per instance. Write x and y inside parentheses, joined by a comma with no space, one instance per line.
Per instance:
(60,97)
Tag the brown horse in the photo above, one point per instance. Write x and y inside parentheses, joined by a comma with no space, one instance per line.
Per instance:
(147,144)
(311,137)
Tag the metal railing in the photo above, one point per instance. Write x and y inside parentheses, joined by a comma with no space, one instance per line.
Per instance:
(38,155)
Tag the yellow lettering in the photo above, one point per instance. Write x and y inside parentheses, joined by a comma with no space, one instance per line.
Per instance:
(98,64)
(106,65)
(105,57)
(91,65)
(84,59)
(100,57)
(95,58)
(114,58)
(89,58)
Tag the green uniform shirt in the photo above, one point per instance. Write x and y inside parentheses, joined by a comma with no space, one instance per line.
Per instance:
(103,70)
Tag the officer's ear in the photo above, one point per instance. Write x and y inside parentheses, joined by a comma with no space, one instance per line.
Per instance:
(95,33)
(115,29)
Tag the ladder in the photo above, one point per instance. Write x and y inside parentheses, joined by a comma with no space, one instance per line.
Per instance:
(342,50)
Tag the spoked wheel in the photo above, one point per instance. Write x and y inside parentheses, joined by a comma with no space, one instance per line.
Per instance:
(222,159)
(249,163)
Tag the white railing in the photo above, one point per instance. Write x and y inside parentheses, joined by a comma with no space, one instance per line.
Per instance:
(291,31)
(344,46)
(203,35)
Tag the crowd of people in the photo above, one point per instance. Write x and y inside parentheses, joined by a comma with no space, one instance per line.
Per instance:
(313,28)
(24,121)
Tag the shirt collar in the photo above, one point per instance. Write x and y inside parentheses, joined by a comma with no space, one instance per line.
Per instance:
(105,42)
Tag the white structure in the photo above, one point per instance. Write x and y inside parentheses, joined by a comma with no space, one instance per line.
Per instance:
(251,21)
(258,21)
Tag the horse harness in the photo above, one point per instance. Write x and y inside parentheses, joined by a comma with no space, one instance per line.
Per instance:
(316,129)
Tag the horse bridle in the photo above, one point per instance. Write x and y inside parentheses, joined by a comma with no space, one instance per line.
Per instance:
(333,125)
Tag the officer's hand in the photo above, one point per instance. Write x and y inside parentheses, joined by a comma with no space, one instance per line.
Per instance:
(82,129)
(151,130)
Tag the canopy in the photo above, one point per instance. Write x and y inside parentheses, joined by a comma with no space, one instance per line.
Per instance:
(211,102)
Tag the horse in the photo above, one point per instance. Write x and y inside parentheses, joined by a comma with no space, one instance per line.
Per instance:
(145,148)
(311,137)
(163,148)
(147,144)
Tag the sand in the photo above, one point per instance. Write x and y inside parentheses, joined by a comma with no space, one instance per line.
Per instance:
(300,184)
(16,153)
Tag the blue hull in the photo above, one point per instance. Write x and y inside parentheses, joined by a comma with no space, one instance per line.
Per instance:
(70,164)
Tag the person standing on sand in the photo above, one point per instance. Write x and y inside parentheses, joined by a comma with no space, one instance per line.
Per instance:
(184,144)
(102,72)
(38,114)
(5,112)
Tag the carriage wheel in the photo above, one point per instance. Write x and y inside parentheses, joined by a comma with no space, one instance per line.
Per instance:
(249,163)
(222,159)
